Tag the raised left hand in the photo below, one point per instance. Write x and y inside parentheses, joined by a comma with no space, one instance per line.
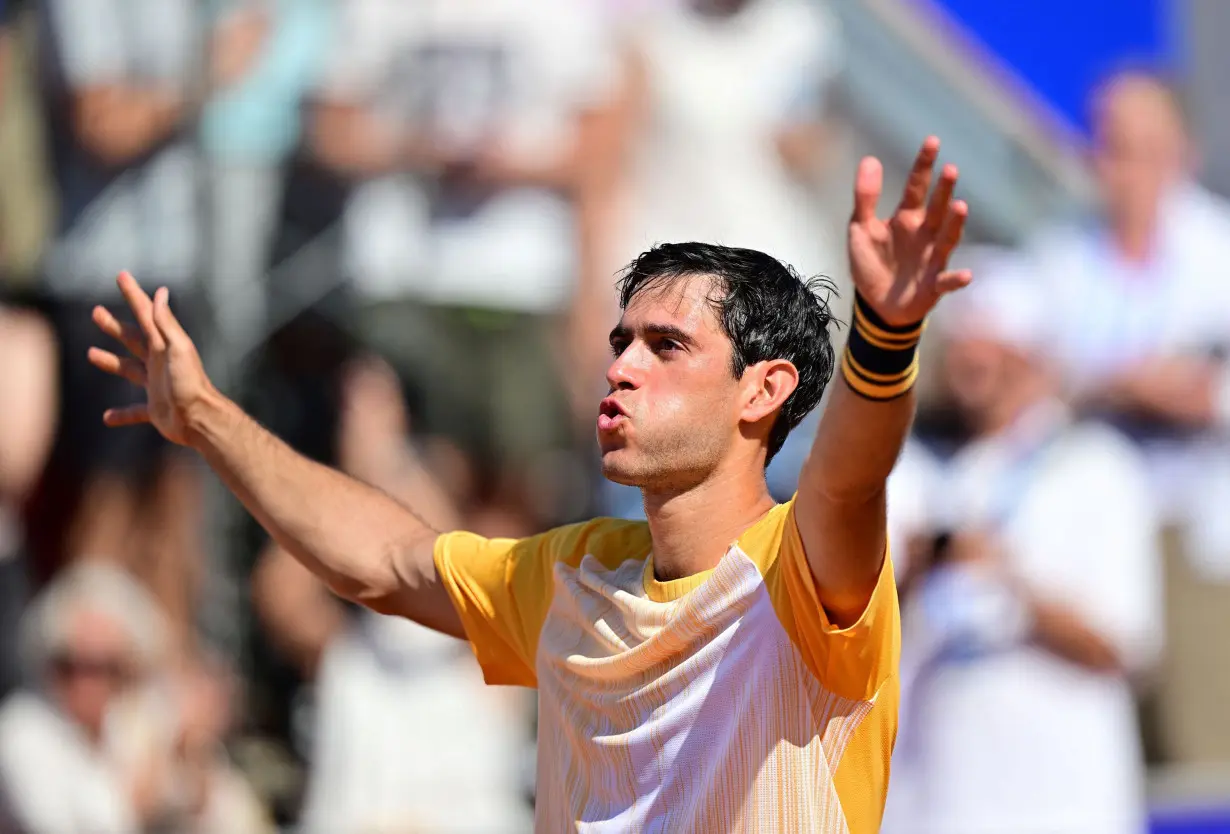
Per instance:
(900,265)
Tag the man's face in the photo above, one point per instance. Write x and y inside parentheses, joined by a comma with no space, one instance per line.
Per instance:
(95,666)
(674,406)
(1141,149)
(977,373)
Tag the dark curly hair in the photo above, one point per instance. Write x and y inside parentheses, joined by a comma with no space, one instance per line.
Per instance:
(766,309)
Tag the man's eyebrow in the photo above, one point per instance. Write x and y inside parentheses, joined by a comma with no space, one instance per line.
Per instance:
(670,331)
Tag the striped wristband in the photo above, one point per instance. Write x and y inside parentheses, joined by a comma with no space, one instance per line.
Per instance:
(881,359)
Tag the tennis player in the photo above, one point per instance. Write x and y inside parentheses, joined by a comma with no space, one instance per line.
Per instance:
(728,665)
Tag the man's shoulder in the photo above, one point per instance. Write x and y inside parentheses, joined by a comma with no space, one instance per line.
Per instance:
(612,541)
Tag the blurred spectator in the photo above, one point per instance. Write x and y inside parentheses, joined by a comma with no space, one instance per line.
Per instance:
(730,127)
(1139,296)
(467,126)
(1039,599)
(104,740)
(27,425)
(120,86)
(1142,307)
(728,132)
(265,56)
(407,737)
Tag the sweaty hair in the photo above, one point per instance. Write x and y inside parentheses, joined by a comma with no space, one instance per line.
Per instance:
(766,310)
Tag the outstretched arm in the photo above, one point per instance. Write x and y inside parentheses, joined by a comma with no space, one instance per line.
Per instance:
(362,543)
(899,268)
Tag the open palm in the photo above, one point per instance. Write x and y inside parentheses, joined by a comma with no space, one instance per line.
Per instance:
(900,265)
(162,360)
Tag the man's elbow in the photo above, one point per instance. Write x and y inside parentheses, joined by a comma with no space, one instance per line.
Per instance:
(842,491)
(403,569)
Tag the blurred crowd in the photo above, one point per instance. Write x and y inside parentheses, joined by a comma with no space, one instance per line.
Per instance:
(393,228)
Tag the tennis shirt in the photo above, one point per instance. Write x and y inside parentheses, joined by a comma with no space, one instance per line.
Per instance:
(723,701)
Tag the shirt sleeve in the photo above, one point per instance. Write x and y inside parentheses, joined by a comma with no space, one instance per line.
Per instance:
(853,662)
(501,589)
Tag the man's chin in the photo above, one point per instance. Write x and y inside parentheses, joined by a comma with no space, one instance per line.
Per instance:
(615,468)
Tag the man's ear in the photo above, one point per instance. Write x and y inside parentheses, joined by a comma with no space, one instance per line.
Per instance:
(767,386)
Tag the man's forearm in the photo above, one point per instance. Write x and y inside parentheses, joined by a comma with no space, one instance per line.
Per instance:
(362,543)
(870,412)
(1064,633)
(119,124)
(858,443)
(842,509)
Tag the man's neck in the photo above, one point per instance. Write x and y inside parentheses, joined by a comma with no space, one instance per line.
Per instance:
(692,529)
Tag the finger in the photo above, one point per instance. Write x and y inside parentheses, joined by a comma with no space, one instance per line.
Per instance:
(132,370)
(937,209)
(868,183)
(948,238)
(128,335)
(142,308)
(919,180)
(131,416)
(165,320)
(953,280)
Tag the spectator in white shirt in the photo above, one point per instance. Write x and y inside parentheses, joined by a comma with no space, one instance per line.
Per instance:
(467,128)
(1037,605)
(104,740)
(1141,303)
(1139,293)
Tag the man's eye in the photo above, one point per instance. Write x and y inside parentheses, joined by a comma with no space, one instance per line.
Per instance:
(618,348)
(669,344)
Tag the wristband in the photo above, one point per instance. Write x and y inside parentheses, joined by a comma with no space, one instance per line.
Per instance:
(881,360)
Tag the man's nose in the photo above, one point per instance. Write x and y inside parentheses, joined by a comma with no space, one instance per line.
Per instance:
(624,373)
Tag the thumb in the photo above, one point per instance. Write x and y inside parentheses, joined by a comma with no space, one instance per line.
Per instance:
(165,320)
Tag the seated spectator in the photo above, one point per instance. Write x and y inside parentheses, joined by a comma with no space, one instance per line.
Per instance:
(406,735)
(1039,600)
(104,738)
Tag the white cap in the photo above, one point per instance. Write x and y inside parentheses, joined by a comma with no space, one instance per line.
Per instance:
(1003,305)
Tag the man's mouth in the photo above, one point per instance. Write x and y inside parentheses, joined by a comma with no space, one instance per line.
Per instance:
(610,414)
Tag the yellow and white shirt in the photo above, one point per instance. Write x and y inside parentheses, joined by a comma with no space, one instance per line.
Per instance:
(724,701)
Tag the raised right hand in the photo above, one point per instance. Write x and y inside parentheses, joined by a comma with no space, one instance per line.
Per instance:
(163,361)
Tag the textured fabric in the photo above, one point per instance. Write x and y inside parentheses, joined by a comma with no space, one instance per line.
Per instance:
(723,701)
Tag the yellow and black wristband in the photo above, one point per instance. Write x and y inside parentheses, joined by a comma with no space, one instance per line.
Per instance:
(881,360)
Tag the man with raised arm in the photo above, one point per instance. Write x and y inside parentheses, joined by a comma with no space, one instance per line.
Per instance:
(728,665)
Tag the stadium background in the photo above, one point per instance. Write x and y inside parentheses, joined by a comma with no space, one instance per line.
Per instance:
(1006,85)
